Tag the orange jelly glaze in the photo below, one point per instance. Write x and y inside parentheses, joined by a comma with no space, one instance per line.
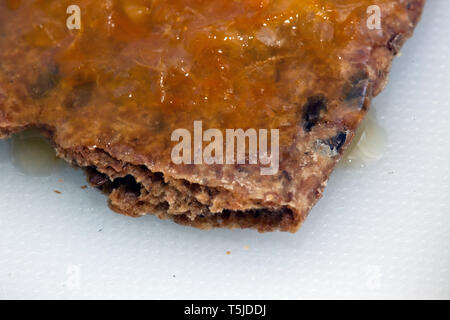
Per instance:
(159,65)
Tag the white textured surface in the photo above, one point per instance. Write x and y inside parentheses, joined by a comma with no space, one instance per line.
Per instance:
(379,232)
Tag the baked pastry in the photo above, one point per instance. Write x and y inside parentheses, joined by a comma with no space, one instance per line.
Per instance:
(110,83)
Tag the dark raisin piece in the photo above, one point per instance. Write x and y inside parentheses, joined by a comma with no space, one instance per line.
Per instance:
(45,82)
(311,111)
(80,95)
(285,175)
(357,88)
(338,141)
(395,43)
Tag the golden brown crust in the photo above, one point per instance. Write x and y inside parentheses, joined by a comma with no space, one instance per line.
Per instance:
(314,87)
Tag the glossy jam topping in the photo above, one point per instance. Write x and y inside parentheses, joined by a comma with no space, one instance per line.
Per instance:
(138,69)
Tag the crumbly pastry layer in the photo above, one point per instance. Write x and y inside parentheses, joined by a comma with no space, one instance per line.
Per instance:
(110,94)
